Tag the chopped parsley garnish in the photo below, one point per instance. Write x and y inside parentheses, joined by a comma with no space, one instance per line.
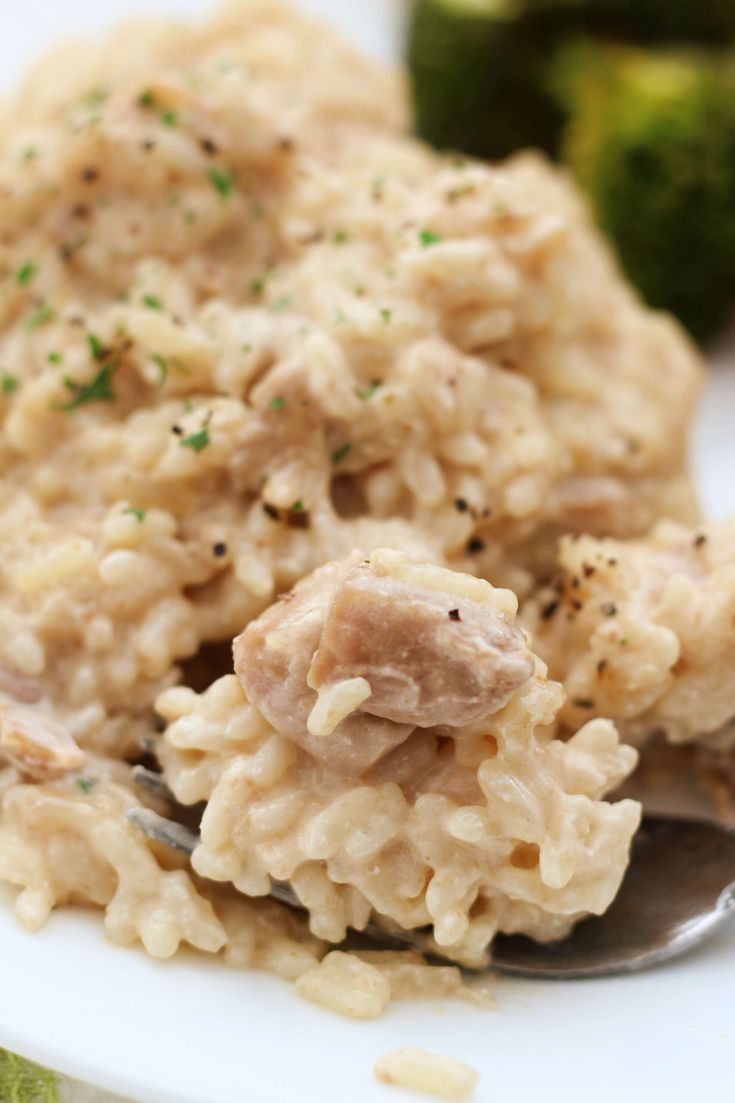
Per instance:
(428,237)
(385,314)
(152,302)
(366,393)
(25,273)
(189,217)
(170,118)
(96,347)
(99,389)
(29,153)
(55,358)
(9,383)
(147,99)
(257,287)
(196,441)
(277,403)
(298,506)
(280,305)
(40,316)
(138,514)
(609,608)
(342,452)
(339,237)
(87,784)
(222,181)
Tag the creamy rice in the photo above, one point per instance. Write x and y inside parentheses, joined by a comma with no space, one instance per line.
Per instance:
(644,632)
(247,325)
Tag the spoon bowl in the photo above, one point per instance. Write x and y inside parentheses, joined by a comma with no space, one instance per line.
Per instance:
(678,890)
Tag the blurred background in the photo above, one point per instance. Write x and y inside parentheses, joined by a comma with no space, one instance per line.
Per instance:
(635,97)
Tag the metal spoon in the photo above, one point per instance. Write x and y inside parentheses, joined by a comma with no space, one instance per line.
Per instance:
(677,892)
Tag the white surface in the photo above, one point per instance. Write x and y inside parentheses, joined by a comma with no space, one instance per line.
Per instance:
(190,1031)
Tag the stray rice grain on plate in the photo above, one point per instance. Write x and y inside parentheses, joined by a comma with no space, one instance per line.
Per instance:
(431,1073)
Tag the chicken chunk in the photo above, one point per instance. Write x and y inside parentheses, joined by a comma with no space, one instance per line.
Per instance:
(405,646)
(37,745)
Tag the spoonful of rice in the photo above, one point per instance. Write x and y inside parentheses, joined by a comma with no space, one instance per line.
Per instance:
(677,892)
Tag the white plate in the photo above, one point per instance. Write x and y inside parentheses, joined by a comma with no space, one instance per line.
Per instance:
(191,1031)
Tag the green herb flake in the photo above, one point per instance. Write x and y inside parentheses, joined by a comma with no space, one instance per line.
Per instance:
(25,273)
(8,383)
(96,347)
(386,315)
(257,287)
(147,99)
(341,452)
(87,784)
(29,153)
(428,237)
(280,305)
(366,393)
(298,506)
(197,441)
(138,514)
(221,181)
(40,316)
(99,389)
(170,119)
(55,358)
(152,302)
(190,217)
(277,403)
(339,237)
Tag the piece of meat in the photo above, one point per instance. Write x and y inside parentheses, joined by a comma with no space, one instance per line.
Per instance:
(430,657)
(407,652)
(37,745)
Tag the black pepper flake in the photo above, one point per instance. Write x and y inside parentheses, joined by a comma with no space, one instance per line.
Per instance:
(80,211)
(699,540)
(271,511)
(602,666)
(209,147)
(460,504)
(588,570)
(576,604)
(219,549)
(609,608)
(475,545)
(549,609)
(575,583)
(89,175)
(454,614)
(612,562)
(147,145)
(286,145)
(583,702)
(177,430)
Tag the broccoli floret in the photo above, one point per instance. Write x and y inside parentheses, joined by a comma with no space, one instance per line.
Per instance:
(652,138)
(649,21)
(22,1082)
(474,66)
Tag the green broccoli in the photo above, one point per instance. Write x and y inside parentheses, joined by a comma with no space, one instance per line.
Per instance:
(648,21)
(474,66)
(22,1082)
(652,139)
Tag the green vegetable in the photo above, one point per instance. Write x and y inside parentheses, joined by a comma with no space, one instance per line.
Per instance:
(222,181)
(22,1082)
(152,302)
(99,389)
(139,515)
(652,139)
(8,383)
(197,441)
(25,273)
(428,237)
(476,69)
(87,784)
(277,403)
(40,316)
(341,452)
